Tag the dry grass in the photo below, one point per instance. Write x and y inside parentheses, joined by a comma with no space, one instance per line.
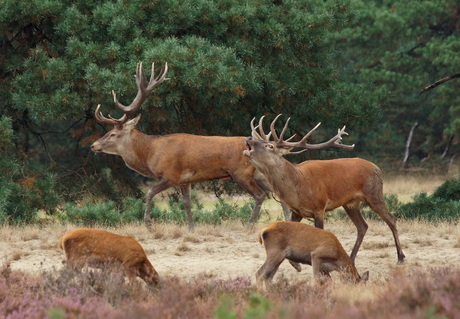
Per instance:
(230,250)
(406,186)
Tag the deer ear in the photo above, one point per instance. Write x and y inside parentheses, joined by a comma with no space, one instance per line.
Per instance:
(365,276)
(132,123)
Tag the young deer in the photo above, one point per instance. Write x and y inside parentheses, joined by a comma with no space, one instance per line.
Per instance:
(301,243)
(311,188)
(98,248)
(177,159)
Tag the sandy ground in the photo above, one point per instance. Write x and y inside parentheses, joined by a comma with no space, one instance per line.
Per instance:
(230,250)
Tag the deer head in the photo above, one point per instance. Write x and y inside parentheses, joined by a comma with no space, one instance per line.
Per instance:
(263,152)
(111,142)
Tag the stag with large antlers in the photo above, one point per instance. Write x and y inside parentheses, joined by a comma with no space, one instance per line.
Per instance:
(313,187)
(176,159)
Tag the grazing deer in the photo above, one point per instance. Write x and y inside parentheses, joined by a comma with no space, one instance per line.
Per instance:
(311,188)
(177,159)
(98,248)
(301,243)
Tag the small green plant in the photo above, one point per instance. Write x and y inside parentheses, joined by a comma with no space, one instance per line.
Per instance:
(258,307)
(225,309)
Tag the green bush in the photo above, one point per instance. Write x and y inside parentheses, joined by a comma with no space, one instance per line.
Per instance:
(224,211)
(442,205)
(23,191)
(430,208)
(448,191)
(105,213)
(132,210)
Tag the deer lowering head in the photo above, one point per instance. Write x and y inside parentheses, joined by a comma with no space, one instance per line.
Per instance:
(99,249)
(311,188)
(298,242)
(115,139)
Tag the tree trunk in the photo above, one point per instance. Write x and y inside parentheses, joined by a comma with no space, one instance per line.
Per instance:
(408,142)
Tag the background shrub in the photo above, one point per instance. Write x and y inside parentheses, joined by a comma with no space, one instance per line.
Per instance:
(105,212)
(132,210)
(442,205)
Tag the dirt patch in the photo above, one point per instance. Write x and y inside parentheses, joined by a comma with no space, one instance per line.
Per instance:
(230,250)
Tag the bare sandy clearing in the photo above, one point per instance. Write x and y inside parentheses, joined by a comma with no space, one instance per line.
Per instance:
(229,250)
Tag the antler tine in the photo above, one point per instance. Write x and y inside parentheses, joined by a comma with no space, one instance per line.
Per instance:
(304,139)
(159,79)
(254,130)
(335,141)
(102,119)
(265,137)
(272,129)
(143,89)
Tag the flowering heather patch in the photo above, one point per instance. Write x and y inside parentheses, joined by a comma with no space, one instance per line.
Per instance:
(96,294)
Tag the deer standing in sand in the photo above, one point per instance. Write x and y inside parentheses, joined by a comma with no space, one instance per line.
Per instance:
(312,188)
(301,243)
(177,159)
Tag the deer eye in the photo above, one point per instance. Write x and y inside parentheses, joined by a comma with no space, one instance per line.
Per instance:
(270,146)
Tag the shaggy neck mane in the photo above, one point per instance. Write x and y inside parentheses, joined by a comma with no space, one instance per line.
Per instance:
(283,179)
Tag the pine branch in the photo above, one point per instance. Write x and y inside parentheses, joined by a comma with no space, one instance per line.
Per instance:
(441,81)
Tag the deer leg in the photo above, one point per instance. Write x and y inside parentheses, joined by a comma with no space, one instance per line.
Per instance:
(259,198)
(74,264)
(361,226)
(380,208)
(131,273)
(316,264)
(319,272)
(159,187)
(319,220)
(186,190)
(295,217)
(268,270)
(295,265)
(286,211)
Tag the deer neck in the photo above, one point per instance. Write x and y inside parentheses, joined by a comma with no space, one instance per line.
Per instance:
(283,178)
(136,152)
(349,268)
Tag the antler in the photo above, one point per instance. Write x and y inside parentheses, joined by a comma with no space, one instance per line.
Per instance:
(336,141)
(112,121)
(261,135)
(143,88)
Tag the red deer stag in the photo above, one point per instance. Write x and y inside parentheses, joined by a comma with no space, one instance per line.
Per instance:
(301,243)
(98,248)
(311,188)
(177,159)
